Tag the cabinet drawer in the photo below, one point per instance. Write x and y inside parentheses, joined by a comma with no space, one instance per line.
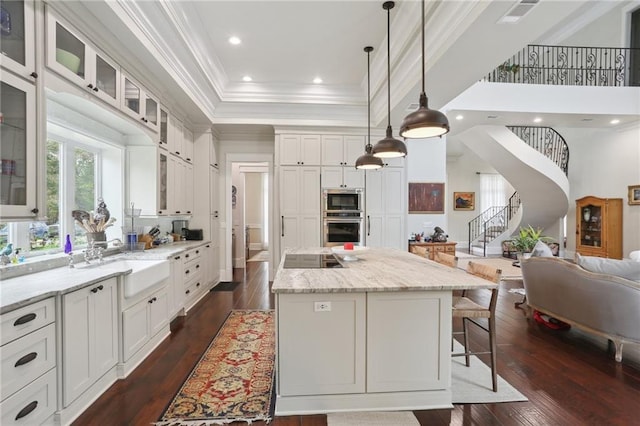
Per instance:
(192,291)
(438,248)
(33,404)
(450,249)
(192,254)
(27,319)
(192,269)
(27,358)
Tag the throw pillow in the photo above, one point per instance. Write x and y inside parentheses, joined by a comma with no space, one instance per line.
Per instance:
(635,255)
(541,249)
(628,269)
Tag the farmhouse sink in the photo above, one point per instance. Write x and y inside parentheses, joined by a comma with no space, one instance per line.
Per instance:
(144,274)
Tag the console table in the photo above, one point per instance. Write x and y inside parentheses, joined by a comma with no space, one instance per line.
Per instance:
(432,248)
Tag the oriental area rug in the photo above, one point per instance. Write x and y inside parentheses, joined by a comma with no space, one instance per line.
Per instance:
(233,381)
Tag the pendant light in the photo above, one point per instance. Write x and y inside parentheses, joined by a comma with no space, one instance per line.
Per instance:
(367,160)
(424,122)
(389,147)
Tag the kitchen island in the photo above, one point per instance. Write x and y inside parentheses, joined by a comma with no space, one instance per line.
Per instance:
(372,335)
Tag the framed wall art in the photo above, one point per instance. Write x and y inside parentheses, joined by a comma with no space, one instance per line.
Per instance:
(426,198)
(634,195)
(464,200)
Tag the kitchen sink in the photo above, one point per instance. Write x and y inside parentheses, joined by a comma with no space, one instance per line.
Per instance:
(144,273)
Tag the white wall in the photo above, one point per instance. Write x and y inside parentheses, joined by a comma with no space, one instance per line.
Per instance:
(426,162)
(237,213)
(608,30)
(254,208)
(604,163)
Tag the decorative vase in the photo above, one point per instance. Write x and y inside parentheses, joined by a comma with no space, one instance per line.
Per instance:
(586,214)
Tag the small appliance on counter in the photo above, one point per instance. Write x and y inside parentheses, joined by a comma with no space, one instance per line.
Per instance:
(180,227)
(193,234)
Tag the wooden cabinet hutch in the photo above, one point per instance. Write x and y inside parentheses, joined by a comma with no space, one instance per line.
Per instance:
(432,248)
(599,227)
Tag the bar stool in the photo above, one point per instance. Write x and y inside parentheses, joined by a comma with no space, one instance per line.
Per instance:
(446,259)
(470,311)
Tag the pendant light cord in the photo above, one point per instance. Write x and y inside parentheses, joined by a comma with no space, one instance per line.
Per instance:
(368,99)
(423,55)
(388,67)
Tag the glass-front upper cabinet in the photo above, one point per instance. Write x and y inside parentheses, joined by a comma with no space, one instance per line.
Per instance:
(139,104)
(70,56)
(18,148)
(17,40)
(164,128)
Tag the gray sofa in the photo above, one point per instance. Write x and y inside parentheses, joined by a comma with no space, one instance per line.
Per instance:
(602,304)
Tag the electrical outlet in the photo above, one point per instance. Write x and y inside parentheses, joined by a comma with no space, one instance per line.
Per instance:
(322,306)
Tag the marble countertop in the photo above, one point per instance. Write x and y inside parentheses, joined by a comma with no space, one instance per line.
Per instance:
(32,287)
(377,269)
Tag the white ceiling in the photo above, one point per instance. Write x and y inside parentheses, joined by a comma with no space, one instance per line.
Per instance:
(285,44)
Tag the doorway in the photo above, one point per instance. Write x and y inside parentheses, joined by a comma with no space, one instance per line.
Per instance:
(250,213)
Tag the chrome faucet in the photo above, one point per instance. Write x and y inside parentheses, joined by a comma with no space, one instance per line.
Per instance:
(117,242)
(92,253)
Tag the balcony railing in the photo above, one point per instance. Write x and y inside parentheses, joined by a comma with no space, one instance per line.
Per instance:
(570,66)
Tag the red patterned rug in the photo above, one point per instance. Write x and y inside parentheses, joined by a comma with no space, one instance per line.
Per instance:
(233,381)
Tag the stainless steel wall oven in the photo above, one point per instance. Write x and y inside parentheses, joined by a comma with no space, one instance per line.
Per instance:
(342,217)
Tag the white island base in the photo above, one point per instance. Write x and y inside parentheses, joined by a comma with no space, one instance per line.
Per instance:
(363,351)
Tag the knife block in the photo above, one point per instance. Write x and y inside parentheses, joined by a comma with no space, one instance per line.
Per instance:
(147,240)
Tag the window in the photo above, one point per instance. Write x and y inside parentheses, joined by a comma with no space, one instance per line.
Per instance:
(72,183)
(492,191)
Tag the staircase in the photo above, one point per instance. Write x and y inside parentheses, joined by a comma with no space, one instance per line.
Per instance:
(535,162)
(491,224)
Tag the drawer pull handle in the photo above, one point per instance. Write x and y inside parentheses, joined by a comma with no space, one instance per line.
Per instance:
(197,266)
(197,251)
(100,287)
(25,319)
(26,359)
(187,292)
(186,272)
(94,290)
(26,410)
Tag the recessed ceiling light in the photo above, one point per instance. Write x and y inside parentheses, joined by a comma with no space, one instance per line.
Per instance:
(587,119)
(317,80)
(459,117)
(537,120)
(492,117)
(235,40)
(247,78)
(615,121)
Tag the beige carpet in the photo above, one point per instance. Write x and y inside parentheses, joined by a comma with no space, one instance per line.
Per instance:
(373,418)
(262,256)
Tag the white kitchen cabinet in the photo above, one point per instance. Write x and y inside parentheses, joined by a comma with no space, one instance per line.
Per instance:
(176,287)
(72,57)
(143,320)
(28,364)
(163,140)
(89,337)
(341,150)
(188,146)
(300,150)
(332,341)
(18,46)
(140,104)
(342,177)
(18,185)
(193,278)
(176,136)
(408,323)
(385,198)
(299,207)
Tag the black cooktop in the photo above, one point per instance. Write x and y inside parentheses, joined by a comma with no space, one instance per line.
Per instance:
(307,261)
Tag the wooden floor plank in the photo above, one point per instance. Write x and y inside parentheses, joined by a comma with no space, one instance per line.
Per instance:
(569,376)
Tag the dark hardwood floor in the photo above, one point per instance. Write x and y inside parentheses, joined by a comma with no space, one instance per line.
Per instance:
(569,377)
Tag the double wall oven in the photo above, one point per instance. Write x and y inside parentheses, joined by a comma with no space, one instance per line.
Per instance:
(342,216)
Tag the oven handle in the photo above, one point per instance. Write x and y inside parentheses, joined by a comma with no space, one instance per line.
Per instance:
(341,220)
(368,226)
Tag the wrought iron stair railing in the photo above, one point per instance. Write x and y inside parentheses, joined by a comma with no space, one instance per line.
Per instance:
(546,141)
(491,223)
(569,66)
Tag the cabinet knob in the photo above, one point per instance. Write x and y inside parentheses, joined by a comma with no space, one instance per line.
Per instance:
(178,152)
(95,89)
(34,74)
(90,86)
(187,292)
(35,211)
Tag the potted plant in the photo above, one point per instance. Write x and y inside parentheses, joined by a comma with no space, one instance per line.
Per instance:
(527,238)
